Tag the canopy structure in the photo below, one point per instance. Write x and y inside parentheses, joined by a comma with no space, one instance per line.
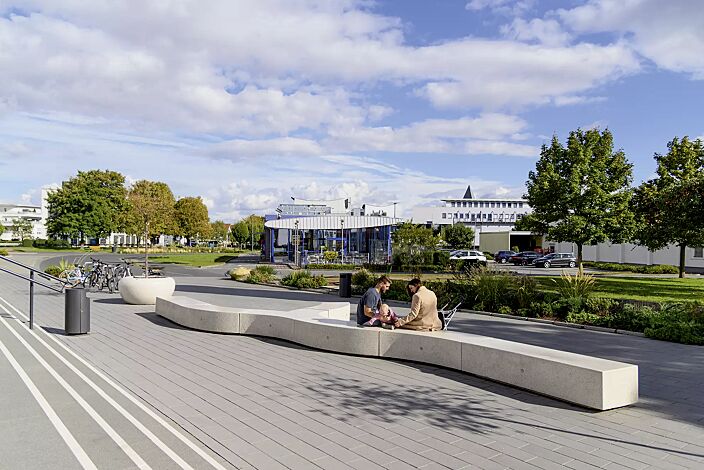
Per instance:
(331,222)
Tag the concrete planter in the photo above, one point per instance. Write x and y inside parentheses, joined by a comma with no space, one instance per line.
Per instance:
(144,291)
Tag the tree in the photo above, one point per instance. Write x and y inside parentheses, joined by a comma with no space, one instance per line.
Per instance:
(192,217)
(668,207)
(151,212)
(413,244)
(218,229)
(93,204)
(21,228)
(2,229)
(581,193)
(458,236)
(240,232)
(255,228)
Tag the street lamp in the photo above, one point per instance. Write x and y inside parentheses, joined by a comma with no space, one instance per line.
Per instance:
(342,234)
(295,244)
(395,202)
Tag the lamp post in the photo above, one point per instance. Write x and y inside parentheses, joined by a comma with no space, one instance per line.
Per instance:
(342,235)
(295,244)
(395,202)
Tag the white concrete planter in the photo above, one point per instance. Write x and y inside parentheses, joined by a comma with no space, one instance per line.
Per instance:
(144,291)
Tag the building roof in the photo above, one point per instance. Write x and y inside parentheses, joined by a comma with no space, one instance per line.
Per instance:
(468,193)
(332,222)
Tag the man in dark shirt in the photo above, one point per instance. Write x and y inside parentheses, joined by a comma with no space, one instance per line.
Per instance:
(371,300)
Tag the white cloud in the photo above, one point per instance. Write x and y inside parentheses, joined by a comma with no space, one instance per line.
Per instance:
(489,147)
(504,7)
(670,33)
(545,31)
(261,148)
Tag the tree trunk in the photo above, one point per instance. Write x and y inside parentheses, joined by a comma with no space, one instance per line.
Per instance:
(682,253)
(146,250)
(579,258)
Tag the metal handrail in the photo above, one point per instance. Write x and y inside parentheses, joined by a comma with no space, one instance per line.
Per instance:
(32,281)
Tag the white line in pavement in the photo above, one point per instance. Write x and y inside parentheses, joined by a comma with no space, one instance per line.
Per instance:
(214,463)
(59,425)
(81,401)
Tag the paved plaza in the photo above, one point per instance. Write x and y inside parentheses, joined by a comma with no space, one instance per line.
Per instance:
(139,391)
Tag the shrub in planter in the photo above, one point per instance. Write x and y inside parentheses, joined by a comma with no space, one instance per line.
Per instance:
(525,290)
(39,243)
(505,310)
(632,317)
(261,274)
(491,288)
(303,279)
(441,259)
(363,279)
(541,310)
(3,252)
(53,270)
(678,322)
(565,306)
(600,306)
(585,318)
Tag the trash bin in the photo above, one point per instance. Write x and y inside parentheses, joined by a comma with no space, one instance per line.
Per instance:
(77,311)
(345,284)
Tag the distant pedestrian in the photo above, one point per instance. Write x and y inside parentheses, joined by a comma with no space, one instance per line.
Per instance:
(424,309)
(370,303)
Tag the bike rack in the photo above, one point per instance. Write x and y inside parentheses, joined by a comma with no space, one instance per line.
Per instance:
(32,281)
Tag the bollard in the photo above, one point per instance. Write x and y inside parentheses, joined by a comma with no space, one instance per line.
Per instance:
(345,284)
(76,311)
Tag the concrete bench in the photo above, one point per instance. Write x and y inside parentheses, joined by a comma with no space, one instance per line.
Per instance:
(588,381)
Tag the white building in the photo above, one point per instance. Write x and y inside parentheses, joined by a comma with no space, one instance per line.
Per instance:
(482,214)
(36,215)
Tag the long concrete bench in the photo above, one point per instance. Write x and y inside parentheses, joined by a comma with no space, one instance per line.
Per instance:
(588,381)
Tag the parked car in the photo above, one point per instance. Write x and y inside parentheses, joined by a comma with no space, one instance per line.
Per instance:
(556,259)
(473,256)
(524,258)
(502,256)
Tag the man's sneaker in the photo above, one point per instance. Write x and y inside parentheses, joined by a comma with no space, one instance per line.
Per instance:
(388,326)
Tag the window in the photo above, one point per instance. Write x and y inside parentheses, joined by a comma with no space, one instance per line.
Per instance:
(490,217)
(503,204)
(474,218)
(461,216)
(513,216)
(493,204)
(453,203)
(699,251)
(520,204)
(444,215)
(484,216)
(464,204)
(519,216)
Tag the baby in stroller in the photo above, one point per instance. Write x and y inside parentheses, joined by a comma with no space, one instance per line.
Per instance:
(384,317)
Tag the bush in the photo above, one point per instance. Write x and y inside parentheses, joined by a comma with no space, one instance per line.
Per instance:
(525,291)
(330,255)
(505,310)
(261,275)
(3,252)
(39,243)
(489,256)
(681,323)
(363,279)
(304,279)
(585,318)
(636,268)
(492,288)
(632,317)
(27,243)
(578,286)
(441,259)
(600,306)
(340,267)
(541,309)
(54,270)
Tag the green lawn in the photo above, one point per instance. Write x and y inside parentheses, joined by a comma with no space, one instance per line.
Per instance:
(192,259)
(32,249)
(646,289)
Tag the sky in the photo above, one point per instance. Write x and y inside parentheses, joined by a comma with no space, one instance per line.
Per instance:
(247,103)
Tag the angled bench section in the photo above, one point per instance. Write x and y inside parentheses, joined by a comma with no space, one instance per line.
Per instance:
(588,381)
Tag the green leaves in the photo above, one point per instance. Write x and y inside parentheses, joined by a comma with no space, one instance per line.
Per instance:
(581,193)
(92,203)
(192,217)
(458,236)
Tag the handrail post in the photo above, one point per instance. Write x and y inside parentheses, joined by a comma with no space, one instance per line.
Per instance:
(31,300)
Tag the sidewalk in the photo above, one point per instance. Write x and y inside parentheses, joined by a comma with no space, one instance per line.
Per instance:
(259,403)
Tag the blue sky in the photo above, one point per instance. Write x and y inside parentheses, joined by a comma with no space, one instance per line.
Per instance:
(246,103)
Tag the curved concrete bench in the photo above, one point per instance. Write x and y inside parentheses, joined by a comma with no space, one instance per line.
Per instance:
(588,381)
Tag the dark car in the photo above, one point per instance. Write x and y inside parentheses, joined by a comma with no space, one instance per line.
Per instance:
(524,258)
(556,259)
(503,256)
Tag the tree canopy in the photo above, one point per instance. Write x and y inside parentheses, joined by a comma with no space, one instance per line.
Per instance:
(669,207)
(192,217)
(151,208)
(21,228)
(249,230)
(91,203)
(581,193)
(458,236)
(413,244)
(218,230)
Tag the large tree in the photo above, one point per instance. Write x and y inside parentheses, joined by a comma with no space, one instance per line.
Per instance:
(240,232)
(581,193)
(21,228)
(458,236)
(255,228)
(151,212)
(669,207)
(93,204)
(192,217)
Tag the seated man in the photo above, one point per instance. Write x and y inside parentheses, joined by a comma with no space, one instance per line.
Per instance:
(424,309)
(370,302)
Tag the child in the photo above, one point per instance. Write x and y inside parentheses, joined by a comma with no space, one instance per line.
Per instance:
(384,315)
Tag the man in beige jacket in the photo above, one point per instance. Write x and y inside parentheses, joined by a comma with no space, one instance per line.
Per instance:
(424,309)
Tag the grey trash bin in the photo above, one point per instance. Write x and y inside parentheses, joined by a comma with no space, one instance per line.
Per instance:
(77,311)
(345,284)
